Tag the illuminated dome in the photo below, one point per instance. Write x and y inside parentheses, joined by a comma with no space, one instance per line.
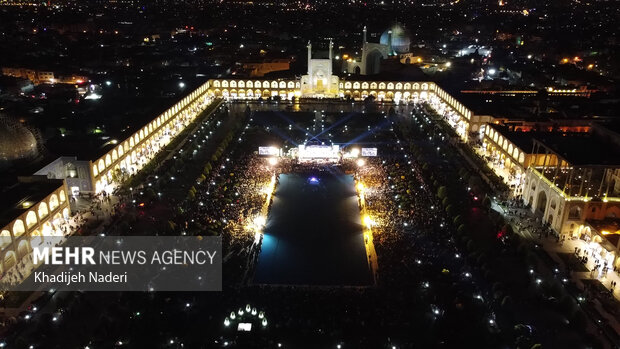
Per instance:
(401,39)
(16,141)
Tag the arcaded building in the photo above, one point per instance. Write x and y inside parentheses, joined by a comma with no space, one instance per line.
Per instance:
(573,184)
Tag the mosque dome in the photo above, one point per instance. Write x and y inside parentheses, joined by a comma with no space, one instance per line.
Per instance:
(16,141)
(401,39)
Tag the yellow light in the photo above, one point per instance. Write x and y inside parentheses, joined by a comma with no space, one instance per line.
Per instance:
(345,56)
(273,161)
(355,152)
(260,221)
(419,60)
(367,221)
(590,66)
(361,162)
(360,186)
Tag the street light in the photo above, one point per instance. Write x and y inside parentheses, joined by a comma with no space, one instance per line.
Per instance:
(367,221)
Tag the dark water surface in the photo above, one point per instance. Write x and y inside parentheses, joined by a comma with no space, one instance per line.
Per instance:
(314,233)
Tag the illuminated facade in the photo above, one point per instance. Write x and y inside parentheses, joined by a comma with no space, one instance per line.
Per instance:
(569,195)
(128,156)
(509,148)
(460,117)
(43,77)
(39,208)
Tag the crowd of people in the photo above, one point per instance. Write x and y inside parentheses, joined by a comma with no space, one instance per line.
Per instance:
(418,261)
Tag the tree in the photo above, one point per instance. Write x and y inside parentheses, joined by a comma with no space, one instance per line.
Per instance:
(486,202)
(507,228)
(458,220)
(507,303)
(442,192)
(449,209)
(462,229)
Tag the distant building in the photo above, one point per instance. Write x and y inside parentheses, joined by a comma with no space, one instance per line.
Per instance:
(319,81)
(44,76)
(395,40)
(16,141)
(76,174)
(259,69)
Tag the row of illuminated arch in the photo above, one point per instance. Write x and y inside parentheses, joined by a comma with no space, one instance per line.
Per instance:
(453,102)
(502,142)
(356,85)
(255,84)
(343,85)
(388,94)
(108,160)
(36,218)
(252,93)
(267,93)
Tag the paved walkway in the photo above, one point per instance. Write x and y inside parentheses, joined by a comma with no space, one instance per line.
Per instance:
(528,226)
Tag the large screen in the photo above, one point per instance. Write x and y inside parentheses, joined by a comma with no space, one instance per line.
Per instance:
(318,151)
(369,151)
(269,151)
(244,327)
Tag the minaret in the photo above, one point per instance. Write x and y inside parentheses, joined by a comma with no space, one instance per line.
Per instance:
(330,67)
(309,56)
(331,47)
(389,42)
(364,36)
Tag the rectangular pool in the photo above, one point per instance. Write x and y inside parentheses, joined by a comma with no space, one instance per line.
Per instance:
(314,234)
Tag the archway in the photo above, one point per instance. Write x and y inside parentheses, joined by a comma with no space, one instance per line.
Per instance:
(574,212)
(53,202)
(5,239)
(373,62)
(358,70)
(36,239)
(31,219)
(9,260)
(18,228)
(23,249)
(541,202)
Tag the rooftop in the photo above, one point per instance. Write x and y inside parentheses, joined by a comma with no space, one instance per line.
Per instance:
(582,149)
(14,197)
